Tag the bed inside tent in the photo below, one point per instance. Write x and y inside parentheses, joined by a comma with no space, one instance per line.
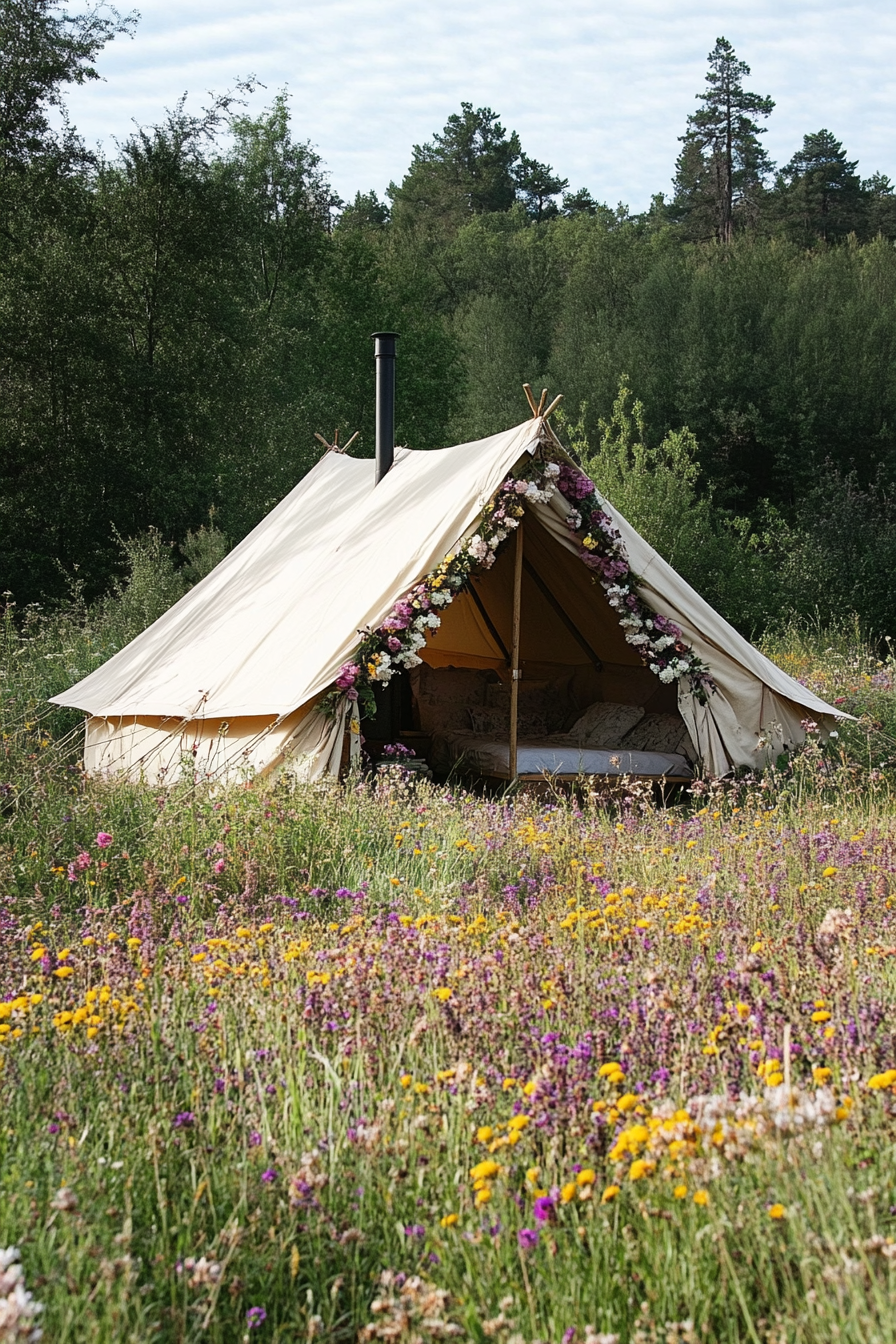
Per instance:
(585,704)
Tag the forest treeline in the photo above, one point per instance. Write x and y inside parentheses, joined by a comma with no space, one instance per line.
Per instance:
(178,318)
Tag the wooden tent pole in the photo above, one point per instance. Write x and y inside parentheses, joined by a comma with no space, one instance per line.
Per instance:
(515,648)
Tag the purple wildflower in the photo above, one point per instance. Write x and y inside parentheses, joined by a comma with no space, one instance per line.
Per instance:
(543,1209)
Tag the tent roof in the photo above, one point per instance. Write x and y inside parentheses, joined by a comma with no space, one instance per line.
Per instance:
(272,624)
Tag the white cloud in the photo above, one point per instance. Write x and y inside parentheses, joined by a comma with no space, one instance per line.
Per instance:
(601,90)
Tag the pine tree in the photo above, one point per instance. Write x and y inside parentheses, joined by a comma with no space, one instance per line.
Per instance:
(538,185)
(820,193)
(880,198)
(721,169)
(467,170)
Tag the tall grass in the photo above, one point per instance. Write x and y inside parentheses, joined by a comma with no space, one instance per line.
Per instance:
(385,1060)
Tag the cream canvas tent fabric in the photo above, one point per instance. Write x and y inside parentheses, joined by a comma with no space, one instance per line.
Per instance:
(227,681)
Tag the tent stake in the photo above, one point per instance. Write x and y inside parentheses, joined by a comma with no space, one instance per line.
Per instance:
(515,648)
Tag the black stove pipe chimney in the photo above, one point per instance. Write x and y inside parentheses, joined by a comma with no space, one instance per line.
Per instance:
(385,401)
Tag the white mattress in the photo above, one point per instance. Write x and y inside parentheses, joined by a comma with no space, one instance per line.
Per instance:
(548,756)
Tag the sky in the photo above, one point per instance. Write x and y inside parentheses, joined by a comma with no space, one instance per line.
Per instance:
(600,89)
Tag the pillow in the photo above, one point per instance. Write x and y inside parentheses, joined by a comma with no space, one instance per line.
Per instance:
(444,695)
(532,725)
(655,732)
(604,724)
(490,722)
(544,700)
(496,723)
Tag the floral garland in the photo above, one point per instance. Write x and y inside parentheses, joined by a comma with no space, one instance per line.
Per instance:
(394,645)
(658,640)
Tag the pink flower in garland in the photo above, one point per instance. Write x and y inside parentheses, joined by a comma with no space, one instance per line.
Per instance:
(348,674)
(574,485)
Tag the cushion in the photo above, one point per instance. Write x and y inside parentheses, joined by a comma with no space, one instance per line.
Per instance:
(657,732)
(496,723)
(545,700)
(444,695)
(604,724)
(489,722)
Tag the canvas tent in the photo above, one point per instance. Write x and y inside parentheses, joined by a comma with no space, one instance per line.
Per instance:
(230,679)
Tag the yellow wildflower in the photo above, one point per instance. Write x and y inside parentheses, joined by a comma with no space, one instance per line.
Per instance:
(484,1171)
(609,1194)
(449,1220)
(777,1211)
(701,1197)
(680,1192)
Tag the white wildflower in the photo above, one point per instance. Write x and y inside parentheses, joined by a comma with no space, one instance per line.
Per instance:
(18,1309)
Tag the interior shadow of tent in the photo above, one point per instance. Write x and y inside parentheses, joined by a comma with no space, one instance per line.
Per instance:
(559,596)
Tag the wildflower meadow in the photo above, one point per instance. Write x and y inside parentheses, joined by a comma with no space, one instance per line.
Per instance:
(387,1060)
